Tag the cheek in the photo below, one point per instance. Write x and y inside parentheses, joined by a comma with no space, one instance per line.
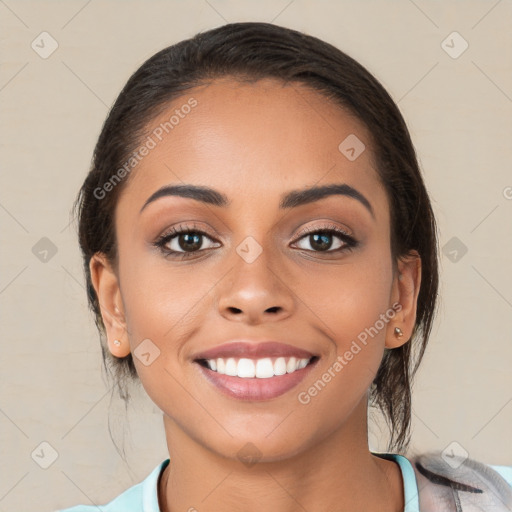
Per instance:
(165,303)
(350,297)
(353,303)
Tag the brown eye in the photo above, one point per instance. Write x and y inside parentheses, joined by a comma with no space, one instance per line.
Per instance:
(321,240)
(189,241)
(184,241)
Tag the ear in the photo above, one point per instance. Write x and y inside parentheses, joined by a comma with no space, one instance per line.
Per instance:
(106,285)
(405,289)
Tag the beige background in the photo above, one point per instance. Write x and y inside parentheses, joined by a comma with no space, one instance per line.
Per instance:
(459,111)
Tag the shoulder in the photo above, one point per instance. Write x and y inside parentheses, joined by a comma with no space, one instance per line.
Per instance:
(129,501)
(446,482)
(505,472)
(138,498)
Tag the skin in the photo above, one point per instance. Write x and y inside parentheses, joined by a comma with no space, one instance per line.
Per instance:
(254,142)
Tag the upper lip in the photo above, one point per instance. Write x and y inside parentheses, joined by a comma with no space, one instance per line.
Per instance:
(248,349)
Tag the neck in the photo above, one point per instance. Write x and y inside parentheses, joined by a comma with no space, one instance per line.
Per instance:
(339,473)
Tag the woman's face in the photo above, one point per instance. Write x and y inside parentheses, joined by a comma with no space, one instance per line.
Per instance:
(256,275)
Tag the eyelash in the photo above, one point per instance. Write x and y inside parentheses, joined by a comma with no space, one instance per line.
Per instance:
(349,242)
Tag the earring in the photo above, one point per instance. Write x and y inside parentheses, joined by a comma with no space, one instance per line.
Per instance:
(117,343)
(398,332)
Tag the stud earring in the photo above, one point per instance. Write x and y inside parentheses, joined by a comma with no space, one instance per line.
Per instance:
(398,332)
(117,343)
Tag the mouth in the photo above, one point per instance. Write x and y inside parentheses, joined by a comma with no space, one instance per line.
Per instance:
(247,370)
(262,368)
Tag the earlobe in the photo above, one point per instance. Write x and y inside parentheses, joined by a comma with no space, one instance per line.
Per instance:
(106,285)
(405,290)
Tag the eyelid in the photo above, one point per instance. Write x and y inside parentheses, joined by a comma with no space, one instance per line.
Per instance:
(325,227)
(180,228)
(176,230)
(169,234)
(348,241)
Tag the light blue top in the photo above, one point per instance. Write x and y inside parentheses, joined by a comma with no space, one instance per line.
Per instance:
(143,497)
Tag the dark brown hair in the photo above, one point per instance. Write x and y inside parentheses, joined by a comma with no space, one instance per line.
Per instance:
(251,51)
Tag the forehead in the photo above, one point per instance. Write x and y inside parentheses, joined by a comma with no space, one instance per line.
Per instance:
(254,139)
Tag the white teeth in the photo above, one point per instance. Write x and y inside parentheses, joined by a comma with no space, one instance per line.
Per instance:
(246,368)
(264,368)
(280,366)
(292,365)
(303,363)
(231,367)
(259,368)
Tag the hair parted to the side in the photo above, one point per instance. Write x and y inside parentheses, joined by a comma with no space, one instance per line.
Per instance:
(251,51)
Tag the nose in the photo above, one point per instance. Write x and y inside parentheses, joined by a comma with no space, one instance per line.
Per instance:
(256,292)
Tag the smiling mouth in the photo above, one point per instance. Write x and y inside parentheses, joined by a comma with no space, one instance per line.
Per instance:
(262,368)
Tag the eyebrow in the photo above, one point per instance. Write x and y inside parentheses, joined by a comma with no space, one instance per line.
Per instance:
(289,200)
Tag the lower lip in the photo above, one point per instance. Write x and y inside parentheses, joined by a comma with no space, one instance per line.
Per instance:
(254,388)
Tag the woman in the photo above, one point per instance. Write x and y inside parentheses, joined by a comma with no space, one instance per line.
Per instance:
(260,251)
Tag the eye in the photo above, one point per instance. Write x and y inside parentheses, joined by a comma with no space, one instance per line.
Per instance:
(185,241)
(321,239)
(182,241)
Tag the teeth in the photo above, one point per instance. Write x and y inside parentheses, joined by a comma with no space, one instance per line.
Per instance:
(245,368)
(259,368)
(303,363)
(231,367)
(280,366)
(291,365)
(264,368)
